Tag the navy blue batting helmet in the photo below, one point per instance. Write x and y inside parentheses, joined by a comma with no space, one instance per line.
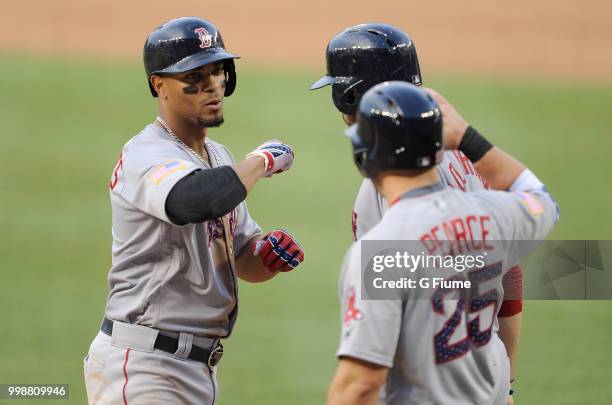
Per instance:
(399,127)
(364,55)
(187,43)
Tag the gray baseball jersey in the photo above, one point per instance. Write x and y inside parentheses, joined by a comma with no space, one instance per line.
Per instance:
(169,277)
(456,171)
(425,342)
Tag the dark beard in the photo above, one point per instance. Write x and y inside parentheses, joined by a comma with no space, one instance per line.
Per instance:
(213,123)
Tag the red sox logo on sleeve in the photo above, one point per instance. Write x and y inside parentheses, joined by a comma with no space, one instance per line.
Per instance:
(205,37)
(352,313)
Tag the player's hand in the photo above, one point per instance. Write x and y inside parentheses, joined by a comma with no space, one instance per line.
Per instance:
(454,124)
(510,400)
(278,156)
(279,251)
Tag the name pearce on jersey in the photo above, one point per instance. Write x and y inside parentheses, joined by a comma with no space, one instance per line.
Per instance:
(458,235)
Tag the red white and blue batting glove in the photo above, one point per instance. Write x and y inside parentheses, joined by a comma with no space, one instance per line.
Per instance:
(278,157)
(279,251)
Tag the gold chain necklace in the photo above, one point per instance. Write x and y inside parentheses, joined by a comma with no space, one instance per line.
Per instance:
(196,154)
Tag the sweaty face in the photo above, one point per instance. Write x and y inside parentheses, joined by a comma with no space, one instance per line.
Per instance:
(197,94)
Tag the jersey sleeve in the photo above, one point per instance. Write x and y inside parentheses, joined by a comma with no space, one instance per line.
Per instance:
(512,283)
(524,217)
(146,174)
(458,172)
(370,328)
(246,228)
(368,209)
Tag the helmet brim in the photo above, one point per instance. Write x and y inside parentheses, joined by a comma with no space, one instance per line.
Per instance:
(198,60)
(322,82)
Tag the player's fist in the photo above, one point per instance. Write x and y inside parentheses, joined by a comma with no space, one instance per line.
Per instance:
(454,125)
(278,156)
(279,251)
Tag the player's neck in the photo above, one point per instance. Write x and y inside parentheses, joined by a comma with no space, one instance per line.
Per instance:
(190,135)
(392,185)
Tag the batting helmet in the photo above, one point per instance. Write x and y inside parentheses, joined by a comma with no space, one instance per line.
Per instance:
(399,127)
(187,43)
(364,55)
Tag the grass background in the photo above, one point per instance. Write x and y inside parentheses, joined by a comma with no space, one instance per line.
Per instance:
(63,125)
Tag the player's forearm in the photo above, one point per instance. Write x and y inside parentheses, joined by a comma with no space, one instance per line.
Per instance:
(250,268)
(356,382)
(499,169)
(352,393)
(249,171)
(510,333)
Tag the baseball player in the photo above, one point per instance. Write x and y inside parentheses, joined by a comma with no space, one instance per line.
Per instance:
(364,55)
(182,233)
(431,347)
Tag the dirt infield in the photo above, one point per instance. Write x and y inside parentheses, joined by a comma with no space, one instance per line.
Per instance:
(548,38)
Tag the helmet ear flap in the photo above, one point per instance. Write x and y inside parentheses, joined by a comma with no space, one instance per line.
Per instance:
(365,143)
(350,98)
(360,154)
(346,95)
(230,77)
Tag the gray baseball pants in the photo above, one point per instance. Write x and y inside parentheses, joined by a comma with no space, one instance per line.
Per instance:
(126,369)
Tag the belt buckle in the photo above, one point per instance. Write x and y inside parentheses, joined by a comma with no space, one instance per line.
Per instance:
(215,355)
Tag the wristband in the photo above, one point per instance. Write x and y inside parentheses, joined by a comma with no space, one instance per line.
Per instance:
(474,145)
(267,156)
(526,181)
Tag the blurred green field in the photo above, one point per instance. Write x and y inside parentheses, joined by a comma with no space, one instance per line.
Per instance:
(63,125)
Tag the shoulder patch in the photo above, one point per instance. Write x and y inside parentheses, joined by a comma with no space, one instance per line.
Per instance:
(352,313)
(534,207)
(161,171)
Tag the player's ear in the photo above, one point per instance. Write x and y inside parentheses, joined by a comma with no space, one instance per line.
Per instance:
(159,86)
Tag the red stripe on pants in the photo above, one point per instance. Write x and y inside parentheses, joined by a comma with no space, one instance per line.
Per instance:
(127,356)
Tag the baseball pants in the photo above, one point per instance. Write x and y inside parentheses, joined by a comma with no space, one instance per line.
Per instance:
(502,367)
(126,369)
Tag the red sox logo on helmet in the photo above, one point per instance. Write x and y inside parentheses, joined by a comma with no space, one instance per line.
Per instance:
(205,37)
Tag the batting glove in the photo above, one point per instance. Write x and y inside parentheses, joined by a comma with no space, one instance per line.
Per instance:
(279,251)
(278,157)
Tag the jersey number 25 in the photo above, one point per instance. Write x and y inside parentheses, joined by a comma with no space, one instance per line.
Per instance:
(470,302)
